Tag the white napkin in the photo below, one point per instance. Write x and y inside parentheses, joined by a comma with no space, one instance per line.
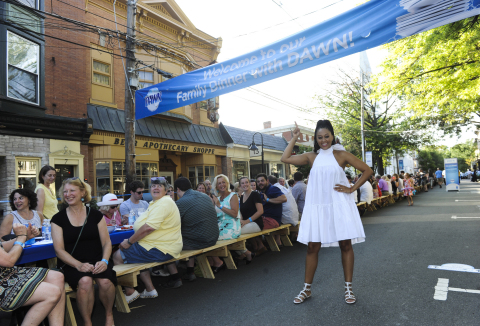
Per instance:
(43,242)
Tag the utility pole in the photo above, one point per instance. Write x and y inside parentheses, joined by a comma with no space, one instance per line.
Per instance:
(131,83)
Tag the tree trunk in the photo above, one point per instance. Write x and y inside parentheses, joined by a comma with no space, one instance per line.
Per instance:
(380,168)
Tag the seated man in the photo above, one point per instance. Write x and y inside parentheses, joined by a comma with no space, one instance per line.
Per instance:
(289,208)
(366,192)
(157,238)
(199,226)
(135,203)
(383,185)
(273,199)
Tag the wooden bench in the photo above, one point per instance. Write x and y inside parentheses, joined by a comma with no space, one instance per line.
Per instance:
(127,273)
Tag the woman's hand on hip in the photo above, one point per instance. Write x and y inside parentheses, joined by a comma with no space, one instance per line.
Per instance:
(85,268)
(342,188)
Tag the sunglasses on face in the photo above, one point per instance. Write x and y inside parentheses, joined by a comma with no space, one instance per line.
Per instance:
(114,206)
(158,178)
(138,192)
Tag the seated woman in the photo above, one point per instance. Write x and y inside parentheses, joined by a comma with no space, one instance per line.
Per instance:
(47,201)
(109,208)
(157,238)
(83,248)
(226,203)
(38,287)
(251,208)
(22,202)
(201,187)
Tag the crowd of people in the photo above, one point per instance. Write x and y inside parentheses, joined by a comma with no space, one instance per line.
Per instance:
(195,218)
(164,227)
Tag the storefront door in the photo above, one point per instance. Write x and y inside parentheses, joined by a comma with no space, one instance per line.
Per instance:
(63,172)
(257,168)
(168,175)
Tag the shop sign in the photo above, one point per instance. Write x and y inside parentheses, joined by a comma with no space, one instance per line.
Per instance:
(166,146)
(257,152)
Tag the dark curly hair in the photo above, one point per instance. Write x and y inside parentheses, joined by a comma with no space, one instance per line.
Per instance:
(323,124)
(32,198)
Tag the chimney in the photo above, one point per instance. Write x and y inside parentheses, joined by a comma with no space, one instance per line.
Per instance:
(267,125)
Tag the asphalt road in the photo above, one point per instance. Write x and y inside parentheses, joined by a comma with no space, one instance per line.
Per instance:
(391,280)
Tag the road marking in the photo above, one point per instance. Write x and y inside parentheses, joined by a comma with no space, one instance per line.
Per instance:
(455,268)
(457,217)
(465,200)
(442,288)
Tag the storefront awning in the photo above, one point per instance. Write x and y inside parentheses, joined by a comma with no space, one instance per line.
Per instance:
(244,137)
(113,120)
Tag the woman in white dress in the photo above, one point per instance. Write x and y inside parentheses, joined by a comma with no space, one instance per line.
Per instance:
(330,217)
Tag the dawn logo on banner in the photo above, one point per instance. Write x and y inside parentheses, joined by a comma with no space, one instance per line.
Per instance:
(153,99)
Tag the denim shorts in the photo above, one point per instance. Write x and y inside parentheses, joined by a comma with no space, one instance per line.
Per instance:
(137,254)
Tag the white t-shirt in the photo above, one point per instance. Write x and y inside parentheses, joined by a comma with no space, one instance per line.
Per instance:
(289,208)
(400,184)
(127,206)
(366,192)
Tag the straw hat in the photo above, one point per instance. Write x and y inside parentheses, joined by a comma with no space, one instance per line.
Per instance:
(110,199)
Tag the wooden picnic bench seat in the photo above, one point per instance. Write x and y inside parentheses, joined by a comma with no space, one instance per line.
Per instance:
(127,273)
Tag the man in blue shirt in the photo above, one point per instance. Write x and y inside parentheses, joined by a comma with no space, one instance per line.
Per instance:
(438,175)
(273,198)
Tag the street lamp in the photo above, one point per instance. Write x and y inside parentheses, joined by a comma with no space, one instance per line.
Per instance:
(254,147)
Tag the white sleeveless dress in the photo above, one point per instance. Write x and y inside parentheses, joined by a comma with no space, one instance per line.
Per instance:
(329,216)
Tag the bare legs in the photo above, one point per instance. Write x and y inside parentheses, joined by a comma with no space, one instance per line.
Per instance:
(410,200)
(48,299)
(312,262)
(106,293)
(86,298)
(347,259)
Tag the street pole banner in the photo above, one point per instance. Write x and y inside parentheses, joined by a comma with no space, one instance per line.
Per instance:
(368,159)
(452,180)
(369,25)
(400,165)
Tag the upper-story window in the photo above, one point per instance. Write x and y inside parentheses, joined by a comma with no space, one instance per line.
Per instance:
(145,78)
(101,73)
(30,3)
(23,68)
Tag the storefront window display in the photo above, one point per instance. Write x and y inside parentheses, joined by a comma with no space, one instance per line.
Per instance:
(102,176)
(239,170)
(278,169)
(197,174)
(27,172)
(105,181)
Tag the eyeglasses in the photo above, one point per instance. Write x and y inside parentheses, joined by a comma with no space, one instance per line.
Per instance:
(138,192)
(114,206)
(158,178)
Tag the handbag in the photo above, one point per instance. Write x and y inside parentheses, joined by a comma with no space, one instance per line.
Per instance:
(60,269)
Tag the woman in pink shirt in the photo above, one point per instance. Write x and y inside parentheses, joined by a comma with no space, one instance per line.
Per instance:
(109,208)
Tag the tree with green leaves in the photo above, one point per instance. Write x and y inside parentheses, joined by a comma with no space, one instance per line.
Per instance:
(431,158)
(305,169)
(465,153)
(436,73)
(383,120)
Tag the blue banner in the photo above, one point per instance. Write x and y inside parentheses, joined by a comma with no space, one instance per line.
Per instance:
(367,26)
(452,179)
(400,165)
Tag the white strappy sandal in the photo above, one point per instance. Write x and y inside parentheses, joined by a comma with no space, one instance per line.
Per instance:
(349,294)
(302,296)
